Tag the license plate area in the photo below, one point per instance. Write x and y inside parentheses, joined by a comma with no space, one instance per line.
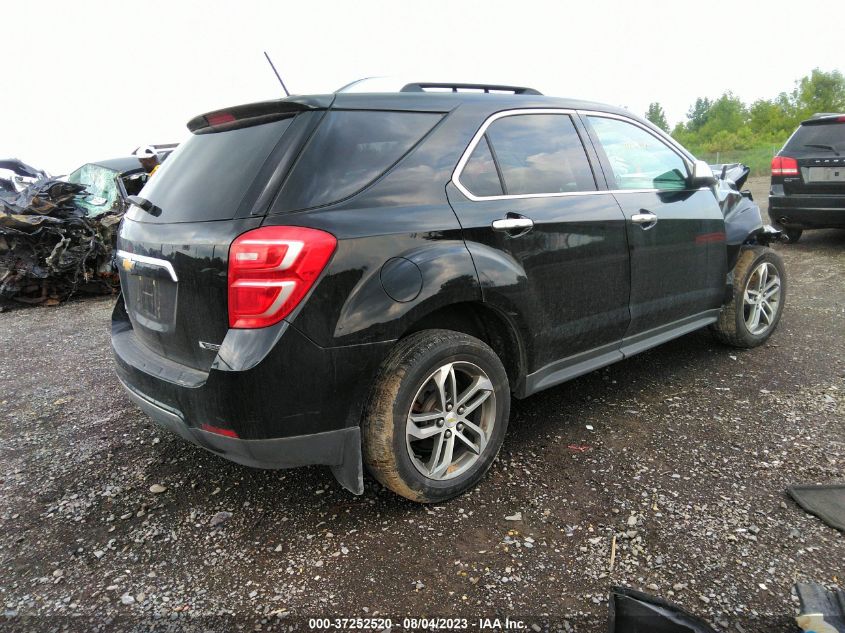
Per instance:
(818,175)
(151,300)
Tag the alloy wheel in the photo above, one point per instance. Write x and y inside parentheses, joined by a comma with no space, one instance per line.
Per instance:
(451,420)
(762,298)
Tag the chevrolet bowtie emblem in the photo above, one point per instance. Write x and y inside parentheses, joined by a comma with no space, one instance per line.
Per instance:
(128,264)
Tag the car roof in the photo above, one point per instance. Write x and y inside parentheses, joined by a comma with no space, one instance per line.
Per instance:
(121,164)
(449,100)
(408,101)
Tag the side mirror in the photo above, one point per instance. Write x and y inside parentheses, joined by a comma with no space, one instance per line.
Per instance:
(702,175)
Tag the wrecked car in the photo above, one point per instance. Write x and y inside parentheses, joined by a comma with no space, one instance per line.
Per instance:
(366,280)
(57,236)
(15,175)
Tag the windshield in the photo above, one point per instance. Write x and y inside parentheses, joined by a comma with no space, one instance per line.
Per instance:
(101,189)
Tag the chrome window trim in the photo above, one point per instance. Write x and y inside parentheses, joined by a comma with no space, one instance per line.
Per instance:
(476,139)
(456,173)
(151,261)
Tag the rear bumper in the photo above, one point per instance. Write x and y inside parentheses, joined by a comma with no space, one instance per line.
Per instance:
(340,449)
(808,211)
(284,400)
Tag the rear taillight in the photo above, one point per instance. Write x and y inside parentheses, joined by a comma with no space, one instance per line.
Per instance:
(784,166)
(271,269)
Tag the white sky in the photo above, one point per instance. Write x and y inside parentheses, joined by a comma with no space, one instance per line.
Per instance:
(89,80)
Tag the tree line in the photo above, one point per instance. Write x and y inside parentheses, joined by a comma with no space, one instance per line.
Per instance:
(727,124)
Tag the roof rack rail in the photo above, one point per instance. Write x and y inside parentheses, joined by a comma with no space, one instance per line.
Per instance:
(486,88)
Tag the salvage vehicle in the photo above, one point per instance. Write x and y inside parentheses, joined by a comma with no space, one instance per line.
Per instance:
(808,177)
(359,279)
(110,182)
(57,234)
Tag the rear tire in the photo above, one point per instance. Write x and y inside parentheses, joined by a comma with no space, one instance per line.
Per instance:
(437,415)
(759,292)
(793,234)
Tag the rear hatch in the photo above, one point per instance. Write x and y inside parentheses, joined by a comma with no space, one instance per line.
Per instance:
(174,241)
(818,147)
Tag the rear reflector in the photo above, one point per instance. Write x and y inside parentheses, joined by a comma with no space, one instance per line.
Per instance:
(784,166)
(271,269)
(218,430)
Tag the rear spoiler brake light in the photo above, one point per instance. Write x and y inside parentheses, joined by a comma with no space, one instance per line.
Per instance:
(255,113)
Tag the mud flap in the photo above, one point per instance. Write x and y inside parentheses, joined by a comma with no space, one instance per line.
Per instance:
(350,473)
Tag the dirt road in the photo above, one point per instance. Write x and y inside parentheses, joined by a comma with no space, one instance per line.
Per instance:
(681,454)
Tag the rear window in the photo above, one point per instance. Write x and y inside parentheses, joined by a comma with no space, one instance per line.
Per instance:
(349,151)
(208,176)
(540,153)
(825,134)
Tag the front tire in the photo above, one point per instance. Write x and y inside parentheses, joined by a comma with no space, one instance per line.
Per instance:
(759,292)
(437,415)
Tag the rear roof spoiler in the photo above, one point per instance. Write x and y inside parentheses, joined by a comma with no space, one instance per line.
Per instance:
(256,113)
(825,117)
(486,88)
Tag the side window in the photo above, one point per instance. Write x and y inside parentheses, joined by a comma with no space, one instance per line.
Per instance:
(540,153)
(479,174)
(349,150)
(638,159)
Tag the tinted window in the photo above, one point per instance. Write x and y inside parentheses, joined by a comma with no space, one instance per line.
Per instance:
(208,176)
(540,153)
(638,159)
(830,134)
(349,150)
(479,174)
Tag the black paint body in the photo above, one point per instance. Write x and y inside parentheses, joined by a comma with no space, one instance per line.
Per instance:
(583,288)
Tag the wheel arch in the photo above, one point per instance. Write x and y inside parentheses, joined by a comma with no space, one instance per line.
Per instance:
(486,323)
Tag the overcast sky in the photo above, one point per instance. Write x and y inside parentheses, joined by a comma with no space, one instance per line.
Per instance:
(89,80)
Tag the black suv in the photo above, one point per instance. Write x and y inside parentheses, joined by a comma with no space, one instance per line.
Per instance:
(367,279)
(808,177)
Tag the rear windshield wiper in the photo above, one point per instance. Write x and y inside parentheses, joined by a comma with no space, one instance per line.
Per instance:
(145,204)
(820,146)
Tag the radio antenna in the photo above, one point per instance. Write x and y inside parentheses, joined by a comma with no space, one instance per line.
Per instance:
(278,76)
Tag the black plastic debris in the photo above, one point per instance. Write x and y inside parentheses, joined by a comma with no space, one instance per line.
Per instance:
(826,501)
(636,612)
(15,174)
(822,610)
(49,246)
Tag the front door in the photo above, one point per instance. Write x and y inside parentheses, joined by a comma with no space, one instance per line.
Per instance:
(676,233)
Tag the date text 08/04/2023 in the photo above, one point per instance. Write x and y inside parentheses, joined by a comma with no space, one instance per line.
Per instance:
(413,624)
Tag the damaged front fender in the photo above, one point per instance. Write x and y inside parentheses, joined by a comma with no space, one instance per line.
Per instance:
(743,220)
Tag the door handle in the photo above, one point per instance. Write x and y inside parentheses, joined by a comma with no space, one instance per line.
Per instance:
(512,224)
(645,218)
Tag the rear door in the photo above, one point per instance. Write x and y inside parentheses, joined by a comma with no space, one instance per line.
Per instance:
(549,245)
(676,234)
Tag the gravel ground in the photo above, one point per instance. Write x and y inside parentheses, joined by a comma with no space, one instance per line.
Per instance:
(680,455)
